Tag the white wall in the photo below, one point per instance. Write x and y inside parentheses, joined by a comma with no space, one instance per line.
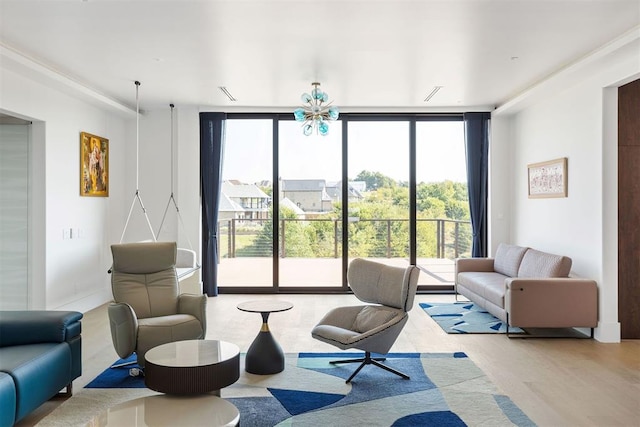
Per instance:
(154,181)
(578,123)
(66,273)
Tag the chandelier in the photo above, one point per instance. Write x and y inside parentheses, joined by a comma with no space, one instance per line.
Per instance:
(316,113)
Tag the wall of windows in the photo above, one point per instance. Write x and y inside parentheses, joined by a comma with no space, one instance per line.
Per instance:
(397,182)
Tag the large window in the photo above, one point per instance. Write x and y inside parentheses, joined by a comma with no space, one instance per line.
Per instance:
(310,171)
(244,220)
(379,190)
(398,182)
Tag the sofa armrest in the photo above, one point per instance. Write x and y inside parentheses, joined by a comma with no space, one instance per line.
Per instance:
(473,264)
(552,302)
(38,326)
(195,305)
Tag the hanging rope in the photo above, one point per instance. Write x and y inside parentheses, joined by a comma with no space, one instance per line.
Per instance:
(137,197)
(171,198)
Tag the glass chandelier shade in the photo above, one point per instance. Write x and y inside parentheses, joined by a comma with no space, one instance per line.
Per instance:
(316,112)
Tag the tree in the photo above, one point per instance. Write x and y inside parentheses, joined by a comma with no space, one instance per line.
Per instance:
(375,180)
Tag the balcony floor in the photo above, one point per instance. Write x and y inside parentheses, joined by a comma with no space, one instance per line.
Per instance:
(319,272)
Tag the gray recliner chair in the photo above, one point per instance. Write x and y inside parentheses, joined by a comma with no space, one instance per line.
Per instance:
(148,310)
(371,328)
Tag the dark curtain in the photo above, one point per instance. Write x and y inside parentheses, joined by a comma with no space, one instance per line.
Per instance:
(211,151)
(476,135)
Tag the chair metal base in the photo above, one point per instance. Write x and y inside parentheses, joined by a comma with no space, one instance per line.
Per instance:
(368,360)
(133,372)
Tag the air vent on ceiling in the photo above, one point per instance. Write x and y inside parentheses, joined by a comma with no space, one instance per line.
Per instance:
(224,90)
(432,93)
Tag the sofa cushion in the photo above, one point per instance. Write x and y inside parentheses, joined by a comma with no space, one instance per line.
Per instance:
(508,258)
(541,264)
(7,400)
(489,286)
(39,372)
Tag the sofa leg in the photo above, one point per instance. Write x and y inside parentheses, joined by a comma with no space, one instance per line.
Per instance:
(68,391)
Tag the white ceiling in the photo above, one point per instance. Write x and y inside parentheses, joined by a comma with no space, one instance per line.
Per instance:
(367,54)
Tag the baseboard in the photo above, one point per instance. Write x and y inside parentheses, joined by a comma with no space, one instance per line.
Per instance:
(607,332)
(87,303)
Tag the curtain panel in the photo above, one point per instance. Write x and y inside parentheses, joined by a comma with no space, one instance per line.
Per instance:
(476,135)
(212,130)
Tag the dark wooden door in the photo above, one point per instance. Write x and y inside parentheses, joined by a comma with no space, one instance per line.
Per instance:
(629,210)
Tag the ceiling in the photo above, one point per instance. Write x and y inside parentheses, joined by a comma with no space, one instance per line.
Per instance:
(387,54)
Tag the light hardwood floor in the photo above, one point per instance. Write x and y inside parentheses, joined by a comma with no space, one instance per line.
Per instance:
(556,382)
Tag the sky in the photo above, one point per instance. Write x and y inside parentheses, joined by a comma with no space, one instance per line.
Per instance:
(373,146)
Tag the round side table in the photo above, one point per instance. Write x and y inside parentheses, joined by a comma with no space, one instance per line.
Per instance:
(265,355)
(164,410)
(192,366)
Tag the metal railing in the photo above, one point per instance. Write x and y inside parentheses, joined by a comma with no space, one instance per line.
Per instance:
(322,238)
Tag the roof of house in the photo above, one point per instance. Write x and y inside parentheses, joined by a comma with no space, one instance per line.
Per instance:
(228,205)
(287,203)
(236,191)
(303,184)
(353,188)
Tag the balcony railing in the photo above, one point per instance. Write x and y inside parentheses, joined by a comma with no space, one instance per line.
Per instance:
(322,238)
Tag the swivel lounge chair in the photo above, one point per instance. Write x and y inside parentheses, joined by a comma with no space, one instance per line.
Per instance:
(371,328)
(148,310)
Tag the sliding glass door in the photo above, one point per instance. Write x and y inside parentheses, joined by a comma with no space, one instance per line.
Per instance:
(245,214)
(379,191)
(310,230)
(443,230)
(398,182)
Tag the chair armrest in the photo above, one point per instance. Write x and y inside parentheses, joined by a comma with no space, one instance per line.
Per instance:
(124,328)
(38,326)
(473,264)
(552,302)
(195,305)
(185,258)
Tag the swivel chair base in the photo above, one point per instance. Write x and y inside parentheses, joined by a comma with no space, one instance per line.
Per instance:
(133,372)
(368,360)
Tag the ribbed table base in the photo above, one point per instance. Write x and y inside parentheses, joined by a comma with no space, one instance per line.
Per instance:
(204,378)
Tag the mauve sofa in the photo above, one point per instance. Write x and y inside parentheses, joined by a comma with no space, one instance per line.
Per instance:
(528,289)
(40,355)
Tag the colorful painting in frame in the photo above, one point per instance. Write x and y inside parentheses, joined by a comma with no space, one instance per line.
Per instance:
(548,179)
(94,165)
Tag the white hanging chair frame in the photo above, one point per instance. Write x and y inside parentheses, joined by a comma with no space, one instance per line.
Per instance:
(137,197)
(173,200)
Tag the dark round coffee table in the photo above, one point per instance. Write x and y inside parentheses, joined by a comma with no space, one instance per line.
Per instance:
(192,366)
(264,356)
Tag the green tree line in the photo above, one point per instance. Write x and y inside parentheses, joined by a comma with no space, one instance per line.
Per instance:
(379,225)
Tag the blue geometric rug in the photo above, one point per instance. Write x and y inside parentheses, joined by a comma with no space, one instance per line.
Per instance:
(466,318)
(445,389)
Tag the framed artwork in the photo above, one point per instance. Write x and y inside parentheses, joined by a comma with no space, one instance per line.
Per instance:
(548,179)
(94,165)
